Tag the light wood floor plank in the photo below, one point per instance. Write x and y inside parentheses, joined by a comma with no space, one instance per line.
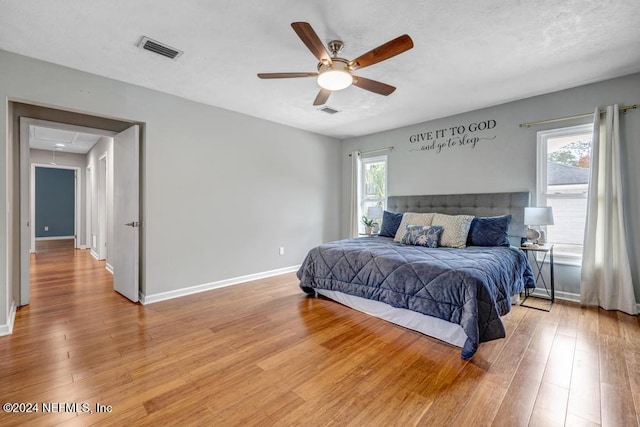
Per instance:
(551,405)
(617,405)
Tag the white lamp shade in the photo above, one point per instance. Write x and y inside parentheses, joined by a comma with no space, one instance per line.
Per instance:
(374,212)
(336,76)
(538,216)
(335,80)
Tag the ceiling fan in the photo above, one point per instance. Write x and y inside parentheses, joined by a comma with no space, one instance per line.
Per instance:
(335,73)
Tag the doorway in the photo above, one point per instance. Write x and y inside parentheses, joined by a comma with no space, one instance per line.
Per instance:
(55,201)
(86,210)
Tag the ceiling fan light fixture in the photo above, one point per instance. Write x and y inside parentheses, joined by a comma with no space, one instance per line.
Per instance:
(335,76)
(335,80)
(335,73)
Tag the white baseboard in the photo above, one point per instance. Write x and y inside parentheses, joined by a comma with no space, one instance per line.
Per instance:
(561,295)
(83,247)
(95,255)
(109,268)
(565,296)
(55,238)
(150,299)
(7,329)
(568,296)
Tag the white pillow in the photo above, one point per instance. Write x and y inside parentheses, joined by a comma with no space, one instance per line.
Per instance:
(455,229)
(412,218)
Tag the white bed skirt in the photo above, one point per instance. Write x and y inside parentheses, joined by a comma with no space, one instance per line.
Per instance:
(432,326)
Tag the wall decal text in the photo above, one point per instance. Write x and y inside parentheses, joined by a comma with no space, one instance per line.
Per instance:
(455,136)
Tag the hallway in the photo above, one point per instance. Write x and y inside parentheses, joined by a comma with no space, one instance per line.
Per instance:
(63,277)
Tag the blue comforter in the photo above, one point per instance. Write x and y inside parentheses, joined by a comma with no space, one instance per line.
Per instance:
(471,287)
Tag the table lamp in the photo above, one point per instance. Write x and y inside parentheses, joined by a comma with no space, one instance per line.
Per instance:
(537,216)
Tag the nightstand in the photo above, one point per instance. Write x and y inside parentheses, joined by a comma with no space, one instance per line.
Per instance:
(547,252)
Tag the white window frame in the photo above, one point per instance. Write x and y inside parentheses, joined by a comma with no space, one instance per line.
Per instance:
(361,191)
(541,177)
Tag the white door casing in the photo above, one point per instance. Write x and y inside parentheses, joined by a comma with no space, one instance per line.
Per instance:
(89,194)
(126,213)
(102,205)
(25,213)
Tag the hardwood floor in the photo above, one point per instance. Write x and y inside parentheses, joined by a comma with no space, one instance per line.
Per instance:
(262,353)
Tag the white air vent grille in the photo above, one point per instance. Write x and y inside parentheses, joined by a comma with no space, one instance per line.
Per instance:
(329,110)
(159,48)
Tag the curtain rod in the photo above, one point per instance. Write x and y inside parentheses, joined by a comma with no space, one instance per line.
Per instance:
(577,116)
(375,151)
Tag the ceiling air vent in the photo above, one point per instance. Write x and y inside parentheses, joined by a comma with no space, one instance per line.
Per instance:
(329,110)
(159,48)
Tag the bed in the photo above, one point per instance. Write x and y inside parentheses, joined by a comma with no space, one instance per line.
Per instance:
(454,294)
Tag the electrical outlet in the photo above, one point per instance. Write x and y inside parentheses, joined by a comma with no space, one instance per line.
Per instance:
(46,228)
(281,251)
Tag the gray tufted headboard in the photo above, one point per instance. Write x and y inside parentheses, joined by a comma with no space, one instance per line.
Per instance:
(482,204)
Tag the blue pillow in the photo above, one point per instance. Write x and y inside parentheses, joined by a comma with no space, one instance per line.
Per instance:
(421,235)
(390,223)
(489,231)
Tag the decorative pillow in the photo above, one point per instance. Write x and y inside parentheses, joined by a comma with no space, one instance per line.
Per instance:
(455,229)
(390,223)
(421,235)
(414,219)
(489,231)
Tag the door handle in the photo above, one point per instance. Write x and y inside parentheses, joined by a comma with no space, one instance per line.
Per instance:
(133,224)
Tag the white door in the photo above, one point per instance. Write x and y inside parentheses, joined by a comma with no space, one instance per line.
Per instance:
(126,219)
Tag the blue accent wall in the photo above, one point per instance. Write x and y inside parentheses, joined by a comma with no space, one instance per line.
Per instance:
(55,202)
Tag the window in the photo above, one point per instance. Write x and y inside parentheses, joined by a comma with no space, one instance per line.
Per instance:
(564,157)
(373,184)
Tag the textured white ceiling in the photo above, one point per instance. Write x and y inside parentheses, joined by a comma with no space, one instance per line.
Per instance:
(467,55)
(44,138)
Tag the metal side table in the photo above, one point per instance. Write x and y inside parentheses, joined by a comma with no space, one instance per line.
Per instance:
(547,251)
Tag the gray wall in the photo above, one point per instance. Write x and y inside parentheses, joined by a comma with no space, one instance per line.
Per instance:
(221,191)
(10,224)
(55,202)
(507,162)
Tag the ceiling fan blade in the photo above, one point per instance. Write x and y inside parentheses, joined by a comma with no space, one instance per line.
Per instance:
(312,41)
(285,75)
(322,97)
(382,52)
(373,86)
